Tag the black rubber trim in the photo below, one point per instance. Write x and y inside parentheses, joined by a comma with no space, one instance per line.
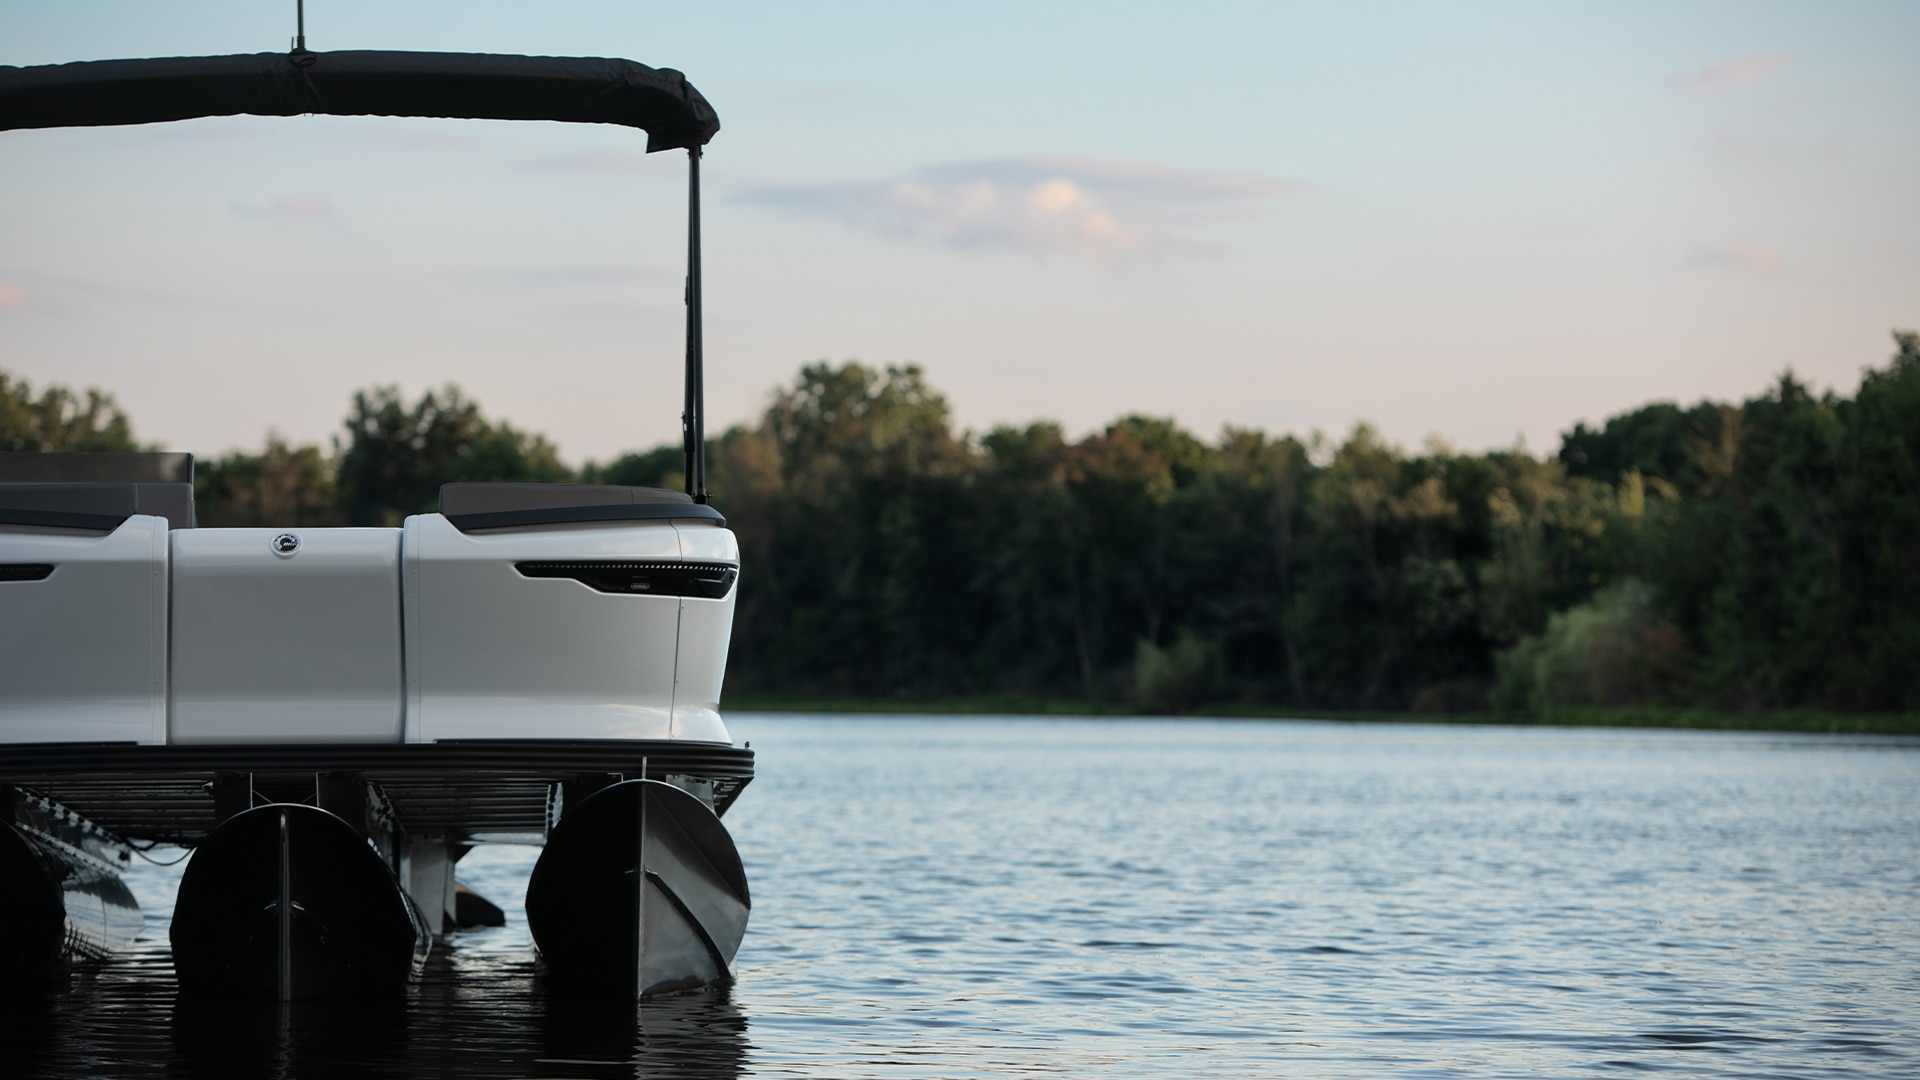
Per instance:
(516,756)
(565,515)
(709,580)
(25,571)
(61,519)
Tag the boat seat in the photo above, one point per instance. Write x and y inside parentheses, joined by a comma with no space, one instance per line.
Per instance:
(101,506)
(469,507)
(95,467)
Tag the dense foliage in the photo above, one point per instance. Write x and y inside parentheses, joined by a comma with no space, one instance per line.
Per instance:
(59,419)
(1759,555)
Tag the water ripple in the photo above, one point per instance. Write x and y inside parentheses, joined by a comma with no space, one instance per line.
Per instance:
(982,897)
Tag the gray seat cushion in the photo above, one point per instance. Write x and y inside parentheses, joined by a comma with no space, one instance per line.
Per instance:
(27,466)
(101,506)
(503,506)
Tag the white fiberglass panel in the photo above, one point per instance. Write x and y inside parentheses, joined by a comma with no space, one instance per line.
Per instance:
(286,646)
(706,627)
(703,541)
(493,654)
(706,630)
(83,650)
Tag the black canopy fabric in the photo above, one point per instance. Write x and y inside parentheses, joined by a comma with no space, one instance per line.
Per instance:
(585,90)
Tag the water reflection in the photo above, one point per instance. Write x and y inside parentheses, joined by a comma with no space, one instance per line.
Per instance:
(216,1038)
(472,1019)
(700,1035)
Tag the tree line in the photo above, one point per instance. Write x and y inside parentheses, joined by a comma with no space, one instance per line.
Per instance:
(1758,555)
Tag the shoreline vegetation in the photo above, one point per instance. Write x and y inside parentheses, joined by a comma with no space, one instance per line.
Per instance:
(1814,721)
(1751,564)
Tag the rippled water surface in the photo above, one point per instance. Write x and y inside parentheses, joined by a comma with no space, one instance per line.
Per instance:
(978,897)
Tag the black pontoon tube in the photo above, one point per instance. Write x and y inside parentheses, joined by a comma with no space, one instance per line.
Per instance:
(639,891)
(60,900)
(287,901)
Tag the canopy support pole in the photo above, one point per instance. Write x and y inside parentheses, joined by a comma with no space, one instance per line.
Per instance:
(693,423)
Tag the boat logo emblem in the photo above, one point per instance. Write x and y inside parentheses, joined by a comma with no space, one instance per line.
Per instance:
(285,544)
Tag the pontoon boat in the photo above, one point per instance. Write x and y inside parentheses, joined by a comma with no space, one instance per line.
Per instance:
(331,717)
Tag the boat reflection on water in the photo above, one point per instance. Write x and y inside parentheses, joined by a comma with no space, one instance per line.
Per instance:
(479,1016)
(466,1028)
(264,1038)
(694,1035)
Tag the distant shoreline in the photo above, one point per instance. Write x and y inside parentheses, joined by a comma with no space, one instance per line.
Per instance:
(1803,720)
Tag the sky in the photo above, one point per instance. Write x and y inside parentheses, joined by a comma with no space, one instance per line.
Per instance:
(1480,222)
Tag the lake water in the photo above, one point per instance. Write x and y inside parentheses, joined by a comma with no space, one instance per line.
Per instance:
(1017,897)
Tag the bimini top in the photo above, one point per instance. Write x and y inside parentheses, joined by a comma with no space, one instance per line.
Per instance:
(585,90)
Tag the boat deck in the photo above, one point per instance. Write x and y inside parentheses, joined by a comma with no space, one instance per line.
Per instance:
(467,789)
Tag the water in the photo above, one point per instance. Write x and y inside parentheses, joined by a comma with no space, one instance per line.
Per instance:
(999,897)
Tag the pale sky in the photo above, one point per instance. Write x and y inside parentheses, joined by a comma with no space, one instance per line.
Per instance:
(1477,221)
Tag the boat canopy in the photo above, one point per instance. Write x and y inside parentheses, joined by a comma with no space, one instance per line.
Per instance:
(472,86)
(584,90)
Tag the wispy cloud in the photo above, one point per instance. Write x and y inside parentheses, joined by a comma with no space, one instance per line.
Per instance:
(1091,208)
(571,276)
(295,208)
(409,137)
(1729,74)
(626,311)
(1737,255)
(584,291)
(602,161)
(827,93)
(1738,148)
(37,294)
(24,290)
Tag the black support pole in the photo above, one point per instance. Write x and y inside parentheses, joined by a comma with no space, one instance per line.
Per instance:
(693,423)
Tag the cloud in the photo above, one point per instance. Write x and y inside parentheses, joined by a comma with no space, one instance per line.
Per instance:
(572,276)
(1740,256)
(24,290)
(295,208)
(1091,208)
(828,93)
(1737,148)
(1728,74)
(413,138)
(603,161)
(584,291)
(28,294)
(623,311)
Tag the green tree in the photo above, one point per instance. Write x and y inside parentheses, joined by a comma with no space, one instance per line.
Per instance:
(1661,441)
(1880,545)
(58,418)
(395,456)
(1613,649)
(281,485)
(1248,549)
(661,467)
(1758,555)
(859,554)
